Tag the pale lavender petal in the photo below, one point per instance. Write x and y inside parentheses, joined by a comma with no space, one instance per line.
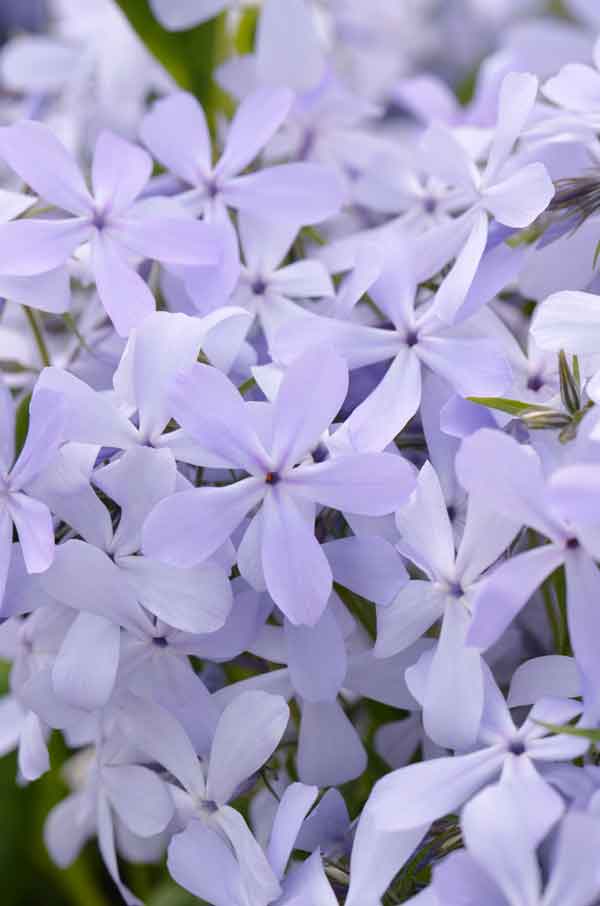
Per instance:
(485,538)
(136,481)
(387,409)
(455,286)
(574,493)
(505,592)
(160,736)
(288,47)
(265,244)
(178,15)
(49,291)
(85,669)
(176,133)
(126,297)
(330,750)
(520,198)
(508,477)
(551,675)
(120,171)
(418,605)
(298,426)
(515,105)
(7,427)
(302,193)
(46,431)
(497,837)
(201,861)
(258,879)
(425,526)
(383,679)
(31,247)
(431,789)
(474,367)
(455,675)
(574,879)
(139,798)
(316,658)
(369,566)
(583,588)
(6,534)
(376,858)
(248,732)
(209,407)
(296,570)
(33,522)
(197,599)
(42,162)
(302,280)
(295,804)
(34,759)
(106,844)
(368,484)
(576,87)
(358,344)
(188,527)
(256,121)
(66,829)
(568,320)
(85,578)
(174,240)
(90,417)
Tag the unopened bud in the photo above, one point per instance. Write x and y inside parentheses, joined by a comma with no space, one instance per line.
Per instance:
(542,419)
(569,386)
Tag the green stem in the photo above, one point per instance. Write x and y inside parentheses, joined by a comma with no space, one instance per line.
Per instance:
(38,336)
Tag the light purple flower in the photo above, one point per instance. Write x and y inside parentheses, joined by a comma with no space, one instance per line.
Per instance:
(273,443)
(25,511)
(117,226)
(456,672)
(562,509)
(424,336)
(176,133)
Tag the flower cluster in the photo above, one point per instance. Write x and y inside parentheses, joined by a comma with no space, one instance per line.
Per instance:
(299,447)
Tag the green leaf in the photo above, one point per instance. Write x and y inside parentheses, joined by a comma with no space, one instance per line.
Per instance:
(511,407)
(189,56)
(569,385)
(596,253)
(568,730)
(12,366)
(246,31)
(22,423)
(168,894)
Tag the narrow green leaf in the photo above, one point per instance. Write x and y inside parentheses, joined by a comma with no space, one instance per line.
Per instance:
(543,420)
(569,389)
(511,407)
(189,56)
(168,894)
(246,31)
(568,730)
(596,254)
(11,366)
(22,423)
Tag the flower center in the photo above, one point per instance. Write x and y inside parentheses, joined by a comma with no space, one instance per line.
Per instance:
(160,641)
(259,286)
